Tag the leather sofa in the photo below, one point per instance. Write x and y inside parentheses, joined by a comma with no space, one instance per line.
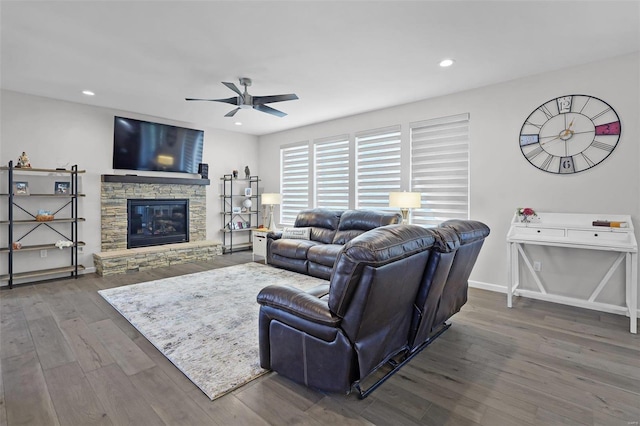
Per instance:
(390,293)
(330,230)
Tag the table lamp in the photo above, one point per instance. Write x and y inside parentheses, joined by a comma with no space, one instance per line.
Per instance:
(404,201)
(271,199)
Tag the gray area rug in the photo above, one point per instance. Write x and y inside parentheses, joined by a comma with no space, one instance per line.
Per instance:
(206,323)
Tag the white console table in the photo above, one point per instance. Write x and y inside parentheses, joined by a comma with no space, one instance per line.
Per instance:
(575,231)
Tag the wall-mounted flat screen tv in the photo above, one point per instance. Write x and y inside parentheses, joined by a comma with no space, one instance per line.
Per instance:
(142,145)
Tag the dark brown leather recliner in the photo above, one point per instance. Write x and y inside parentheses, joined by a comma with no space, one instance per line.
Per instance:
(382,301)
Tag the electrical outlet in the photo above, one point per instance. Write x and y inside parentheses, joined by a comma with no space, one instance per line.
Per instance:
(43,253)
(537,266)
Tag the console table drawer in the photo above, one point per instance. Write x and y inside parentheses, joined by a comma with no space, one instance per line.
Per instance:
(547,232)
(601,235)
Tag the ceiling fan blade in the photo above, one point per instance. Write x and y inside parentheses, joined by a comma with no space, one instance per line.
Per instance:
(259,100)
(232,101)
(233,87)
(231,113)
(269,110)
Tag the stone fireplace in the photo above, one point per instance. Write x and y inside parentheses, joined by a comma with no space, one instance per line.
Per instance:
(154,197)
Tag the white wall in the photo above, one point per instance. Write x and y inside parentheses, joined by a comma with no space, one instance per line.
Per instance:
(56,133)
(501,178)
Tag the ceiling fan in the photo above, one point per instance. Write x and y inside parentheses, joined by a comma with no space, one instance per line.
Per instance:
(246,101)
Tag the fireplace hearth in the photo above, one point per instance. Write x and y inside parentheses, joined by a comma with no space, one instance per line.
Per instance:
(152,222)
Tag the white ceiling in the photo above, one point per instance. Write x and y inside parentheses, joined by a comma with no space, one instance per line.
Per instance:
(340,57)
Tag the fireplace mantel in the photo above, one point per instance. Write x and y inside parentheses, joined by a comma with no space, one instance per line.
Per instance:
(153,180)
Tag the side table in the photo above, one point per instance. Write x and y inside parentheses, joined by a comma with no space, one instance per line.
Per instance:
(259,237)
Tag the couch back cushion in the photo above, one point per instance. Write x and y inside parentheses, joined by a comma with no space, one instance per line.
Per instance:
(322,222)
(375,248)
(356,222)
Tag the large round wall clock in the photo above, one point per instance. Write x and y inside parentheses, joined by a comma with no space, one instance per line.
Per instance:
(570,134)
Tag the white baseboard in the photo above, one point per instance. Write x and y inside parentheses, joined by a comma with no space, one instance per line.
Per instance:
(488,286)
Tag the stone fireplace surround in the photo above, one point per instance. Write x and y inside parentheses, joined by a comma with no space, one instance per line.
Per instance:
(116,258)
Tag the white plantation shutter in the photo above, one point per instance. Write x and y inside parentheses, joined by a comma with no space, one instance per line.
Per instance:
(294,181)
(440,169)
(377,167)
(331,173)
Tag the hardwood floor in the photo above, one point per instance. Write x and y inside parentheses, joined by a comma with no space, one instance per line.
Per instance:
(68,358)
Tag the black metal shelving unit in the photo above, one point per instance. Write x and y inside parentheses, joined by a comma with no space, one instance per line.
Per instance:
(67,205)
(233,196)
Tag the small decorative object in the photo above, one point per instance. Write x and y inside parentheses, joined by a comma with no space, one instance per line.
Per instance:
(62,188)
(570,134)
(235,174)
(247,204)
(247,172)
(17,245)
(23,161)
(247,192)
(44,216)
(62,244)
(526,214)
(236,209)
(20,188)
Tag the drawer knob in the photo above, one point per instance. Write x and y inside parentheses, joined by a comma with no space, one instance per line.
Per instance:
(538,231)
(595,235)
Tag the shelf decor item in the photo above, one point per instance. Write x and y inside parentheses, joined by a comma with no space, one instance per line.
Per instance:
(247,192)
(23,161)
(44,216)
(526,214)
(62,188)
(20,188)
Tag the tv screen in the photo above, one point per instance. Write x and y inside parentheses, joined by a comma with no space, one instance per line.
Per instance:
(142,145)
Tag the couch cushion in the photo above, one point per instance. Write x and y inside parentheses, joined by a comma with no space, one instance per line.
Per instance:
(324,254)
(376,248)
(292,249)
(323,223)
(356,222)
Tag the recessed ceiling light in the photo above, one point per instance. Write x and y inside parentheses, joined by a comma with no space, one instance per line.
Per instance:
(446,63)
(88,93)
(237,123)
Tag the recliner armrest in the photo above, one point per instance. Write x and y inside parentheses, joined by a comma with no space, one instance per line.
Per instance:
(274,235)
(299,303)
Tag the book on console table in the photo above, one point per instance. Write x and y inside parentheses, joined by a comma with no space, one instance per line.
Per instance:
(610,224)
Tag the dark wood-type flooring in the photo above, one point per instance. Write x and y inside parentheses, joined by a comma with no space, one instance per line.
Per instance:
(68,358)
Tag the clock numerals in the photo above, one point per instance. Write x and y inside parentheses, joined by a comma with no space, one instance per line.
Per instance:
(546,111)
(534,153)
(529,123)
(528,139)
(547,162)
(601,145)
(564,104)
(600,114)
(567,165)
(584,156)
(608,129)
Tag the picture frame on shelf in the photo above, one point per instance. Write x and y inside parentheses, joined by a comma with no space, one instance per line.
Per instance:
(247,192)
(21,188)
(62,188)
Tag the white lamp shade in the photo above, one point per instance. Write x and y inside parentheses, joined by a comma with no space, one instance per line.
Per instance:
(270,198)
(404,200)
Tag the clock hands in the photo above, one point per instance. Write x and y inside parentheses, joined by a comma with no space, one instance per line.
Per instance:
(565,135)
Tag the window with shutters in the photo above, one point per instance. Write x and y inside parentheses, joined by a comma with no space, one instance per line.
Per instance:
(440,169)
(294,181)
(378,169)
(331,173)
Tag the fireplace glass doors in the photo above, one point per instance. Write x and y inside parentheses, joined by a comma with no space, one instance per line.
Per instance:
(157,222)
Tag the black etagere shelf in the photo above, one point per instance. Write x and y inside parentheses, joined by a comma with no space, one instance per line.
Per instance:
(232,197)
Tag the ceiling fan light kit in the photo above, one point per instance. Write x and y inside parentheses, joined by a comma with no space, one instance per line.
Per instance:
(245,101)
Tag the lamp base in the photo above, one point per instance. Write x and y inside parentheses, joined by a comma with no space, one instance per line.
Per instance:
(405,216)
(272,222)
